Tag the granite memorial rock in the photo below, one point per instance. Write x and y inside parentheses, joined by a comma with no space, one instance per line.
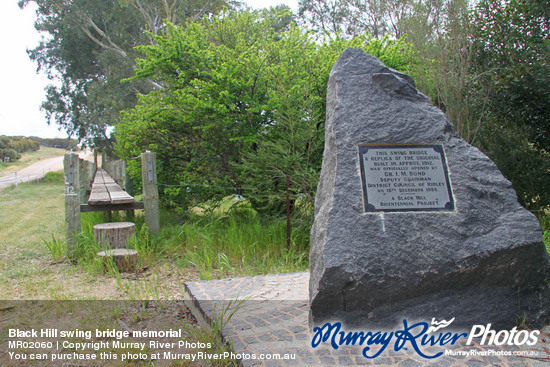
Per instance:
(410,220)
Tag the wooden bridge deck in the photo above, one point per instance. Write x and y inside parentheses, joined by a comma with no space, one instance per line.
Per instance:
(106,191)
(107,195)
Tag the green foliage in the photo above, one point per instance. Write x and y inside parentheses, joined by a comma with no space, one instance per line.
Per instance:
(486,66)
(66,144)
(545,223)
(348,18)
(527,167)
(513,48)
(90,49)
(243,106)
(12,147)
(10,154)
(444,55)
(326,16)
(226,242)
(512,62)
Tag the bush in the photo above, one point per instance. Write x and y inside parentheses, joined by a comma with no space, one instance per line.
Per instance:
(9,153)
(12,146)
(242,108)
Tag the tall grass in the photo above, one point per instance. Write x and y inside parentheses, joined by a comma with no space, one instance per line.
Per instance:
(232,241)
(235,243)
(85,253)
(228,245)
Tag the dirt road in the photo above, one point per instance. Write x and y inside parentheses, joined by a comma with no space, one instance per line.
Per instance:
(33,172)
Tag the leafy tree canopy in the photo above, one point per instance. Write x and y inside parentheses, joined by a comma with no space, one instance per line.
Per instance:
(377,17)
(512,57)
(242,108)
(511,93)
(90,48)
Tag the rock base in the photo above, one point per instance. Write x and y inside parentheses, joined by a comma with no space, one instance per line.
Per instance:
(483,261)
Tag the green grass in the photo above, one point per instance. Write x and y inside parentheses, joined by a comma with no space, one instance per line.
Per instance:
(229,241)
(29,213)
(212,333)
(222,245)
(33,250)
(54,177)
(216,245)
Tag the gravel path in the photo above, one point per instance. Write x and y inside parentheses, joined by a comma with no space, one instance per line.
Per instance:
(33,172)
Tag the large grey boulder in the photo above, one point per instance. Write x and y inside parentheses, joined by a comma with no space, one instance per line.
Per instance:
(483,262)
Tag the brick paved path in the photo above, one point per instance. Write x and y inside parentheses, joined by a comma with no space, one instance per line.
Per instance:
(271,316)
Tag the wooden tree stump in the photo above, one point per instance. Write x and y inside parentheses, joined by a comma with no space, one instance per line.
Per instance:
(114,235)
(124,259)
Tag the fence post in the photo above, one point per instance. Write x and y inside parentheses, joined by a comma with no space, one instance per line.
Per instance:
(71,166)
(121,173)
(82,179)
(87,173)
(150,191)
(129,188)
(72,222)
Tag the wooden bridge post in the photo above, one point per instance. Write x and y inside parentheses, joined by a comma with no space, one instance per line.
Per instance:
(129,188)
(72,222)
(150,191)
(71,165)
(84,178)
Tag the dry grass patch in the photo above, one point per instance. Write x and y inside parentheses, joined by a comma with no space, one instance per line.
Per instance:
(71,297)
(30,214)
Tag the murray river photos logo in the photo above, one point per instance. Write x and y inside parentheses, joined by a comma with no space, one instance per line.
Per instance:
(418,336)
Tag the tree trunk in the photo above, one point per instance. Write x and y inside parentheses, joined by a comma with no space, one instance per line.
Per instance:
(124,259)
(114,235)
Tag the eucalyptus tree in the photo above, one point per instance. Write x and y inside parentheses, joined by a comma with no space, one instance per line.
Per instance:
(349,18)
(89,48)
(511,61)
